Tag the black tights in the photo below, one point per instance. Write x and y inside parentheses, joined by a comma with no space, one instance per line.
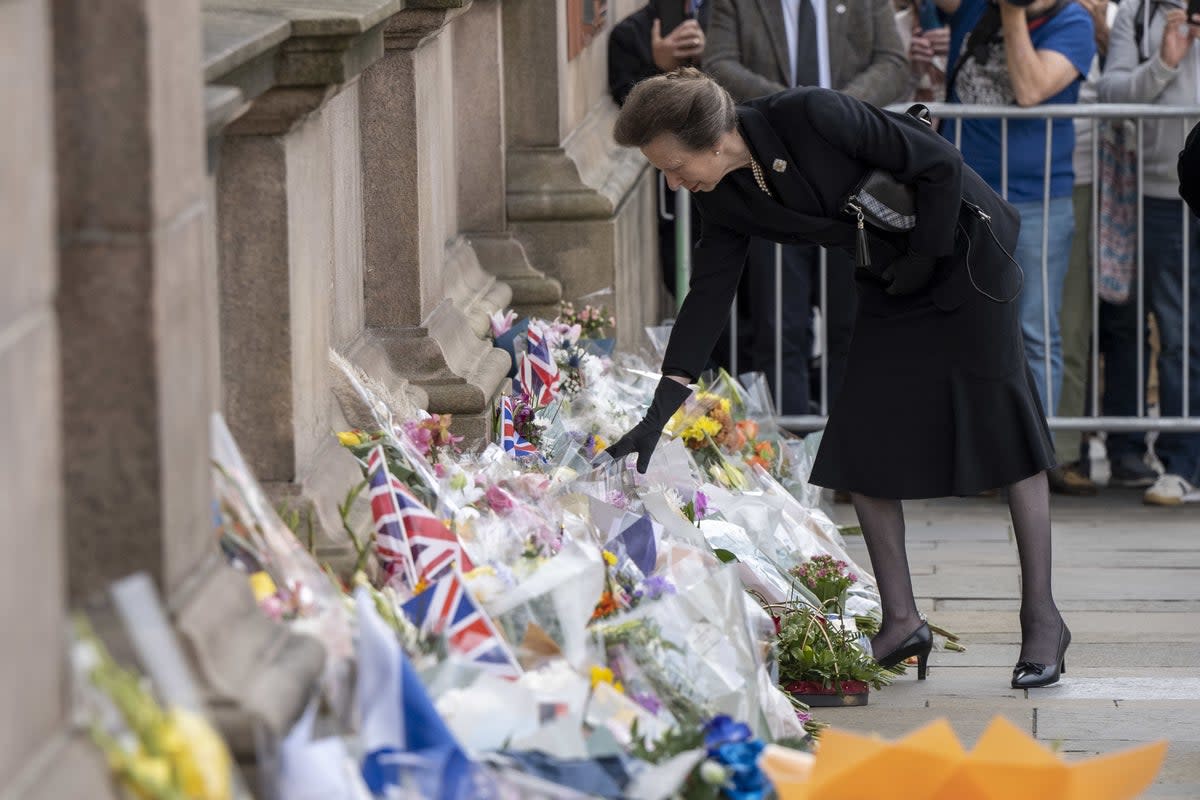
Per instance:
(882,524)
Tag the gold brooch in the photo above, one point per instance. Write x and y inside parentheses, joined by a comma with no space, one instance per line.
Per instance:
(779,165)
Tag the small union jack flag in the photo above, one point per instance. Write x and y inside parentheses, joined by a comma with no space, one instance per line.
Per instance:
(447,608)
(431,547)
(539,371)
(391,538)
(510,440)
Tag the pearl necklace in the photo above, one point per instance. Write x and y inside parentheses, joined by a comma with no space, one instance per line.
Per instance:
(759,178)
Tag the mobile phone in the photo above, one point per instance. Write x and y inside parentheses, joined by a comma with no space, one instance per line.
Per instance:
(930,19)
(671,14)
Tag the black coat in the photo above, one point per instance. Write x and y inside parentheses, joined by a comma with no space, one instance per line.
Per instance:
(936,382)
(1189,171)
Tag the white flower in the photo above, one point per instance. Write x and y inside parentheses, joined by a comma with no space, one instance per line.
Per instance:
(713,773)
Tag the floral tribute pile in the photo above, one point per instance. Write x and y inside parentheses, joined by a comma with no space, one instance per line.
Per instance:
(509,620)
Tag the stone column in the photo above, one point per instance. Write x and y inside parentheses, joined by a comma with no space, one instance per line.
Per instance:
(581,206)
(136,366)
(36,750)
(479,123)
(426,296)
(289,235)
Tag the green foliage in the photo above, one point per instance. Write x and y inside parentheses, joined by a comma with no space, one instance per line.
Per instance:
(812,649)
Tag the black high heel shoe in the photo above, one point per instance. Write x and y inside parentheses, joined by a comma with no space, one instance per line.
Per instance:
(919,643)
(1031,675)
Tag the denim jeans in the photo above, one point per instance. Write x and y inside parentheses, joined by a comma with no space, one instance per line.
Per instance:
(1164,237)
(1032,302)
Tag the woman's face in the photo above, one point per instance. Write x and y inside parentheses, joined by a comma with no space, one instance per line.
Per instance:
(694,170)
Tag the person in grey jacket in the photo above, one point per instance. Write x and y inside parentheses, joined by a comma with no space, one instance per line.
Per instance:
(1162,69)
(760,47)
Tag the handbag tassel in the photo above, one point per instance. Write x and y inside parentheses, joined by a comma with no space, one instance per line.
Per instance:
(862,252)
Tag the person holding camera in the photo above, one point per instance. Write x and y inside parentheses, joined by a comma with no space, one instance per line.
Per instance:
(1017,52)
(937,398)
(1152,58)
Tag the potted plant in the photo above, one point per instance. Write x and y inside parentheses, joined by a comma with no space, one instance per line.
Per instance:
(821,662)
(822,657)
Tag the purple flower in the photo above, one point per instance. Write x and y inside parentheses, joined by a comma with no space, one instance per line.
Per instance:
(701,505)
(647,701)
(656,586)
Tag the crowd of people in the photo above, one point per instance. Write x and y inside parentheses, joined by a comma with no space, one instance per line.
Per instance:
(1000,53)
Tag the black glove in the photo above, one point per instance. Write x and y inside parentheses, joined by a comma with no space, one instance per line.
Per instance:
(644,436)
(909,273)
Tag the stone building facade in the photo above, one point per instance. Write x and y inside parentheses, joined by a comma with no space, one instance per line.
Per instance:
(202,199)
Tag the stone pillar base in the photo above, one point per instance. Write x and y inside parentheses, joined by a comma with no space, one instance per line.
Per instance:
(476,292)
(68,766)
(461,373)
(533,292)
(251,670)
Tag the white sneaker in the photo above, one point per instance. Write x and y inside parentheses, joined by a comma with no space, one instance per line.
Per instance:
(1170,490)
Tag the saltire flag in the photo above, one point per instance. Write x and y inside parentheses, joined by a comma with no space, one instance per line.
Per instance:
(405,742)
(510,440)
(391,539)
(539,371)
(432,548)
(447,608)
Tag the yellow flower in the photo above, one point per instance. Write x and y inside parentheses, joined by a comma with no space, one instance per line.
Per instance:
(349,438)
(601,675)
(601,444)
(421,586)
(481,572)
(610,558)
(262,586)
(703,427)
(202,764)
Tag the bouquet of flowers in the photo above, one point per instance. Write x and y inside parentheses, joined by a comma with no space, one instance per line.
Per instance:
(595,322)
(156,752)
(826,578)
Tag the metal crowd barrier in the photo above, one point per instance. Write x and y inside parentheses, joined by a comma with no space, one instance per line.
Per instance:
(954,114)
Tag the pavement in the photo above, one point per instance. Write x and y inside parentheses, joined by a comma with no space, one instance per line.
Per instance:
(1127,578)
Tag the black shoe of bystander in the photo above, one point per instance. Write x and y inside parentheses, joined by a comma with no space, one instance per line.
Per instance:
(1130,471)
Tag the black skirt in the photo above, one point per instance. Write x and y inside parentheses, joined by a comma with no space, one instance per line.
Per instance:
(937,400)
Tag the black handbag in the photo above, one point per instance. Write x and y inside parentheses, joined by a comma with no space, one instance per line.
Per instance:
(882,201)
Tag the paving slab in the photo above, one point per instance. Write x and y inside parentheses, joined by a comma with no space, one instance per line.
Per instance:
(1128,579)
(1131,721)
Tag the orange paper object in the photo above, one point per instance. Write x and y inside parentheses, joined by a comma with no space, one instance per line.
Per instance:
(931,764)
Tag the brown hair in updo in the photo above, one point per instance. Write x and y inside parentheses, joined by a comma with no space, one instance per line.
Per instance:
(686,103)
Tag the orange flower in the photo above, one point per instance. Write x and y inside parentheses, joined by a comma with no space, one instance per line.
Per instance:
(748,428)
(765,450)
(606,607)
(753,460)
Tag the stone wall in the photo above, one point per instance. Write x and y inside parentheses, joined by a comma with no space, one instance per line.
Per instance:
(581,206)
(215,195)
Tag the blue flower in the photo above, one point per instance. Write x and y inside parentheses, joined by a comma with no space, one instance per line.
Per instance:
(747,782)
(721,729)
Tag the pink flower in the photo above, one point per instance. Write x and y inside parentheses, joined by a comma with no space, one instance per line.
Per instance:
(499,500)
(502,322)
